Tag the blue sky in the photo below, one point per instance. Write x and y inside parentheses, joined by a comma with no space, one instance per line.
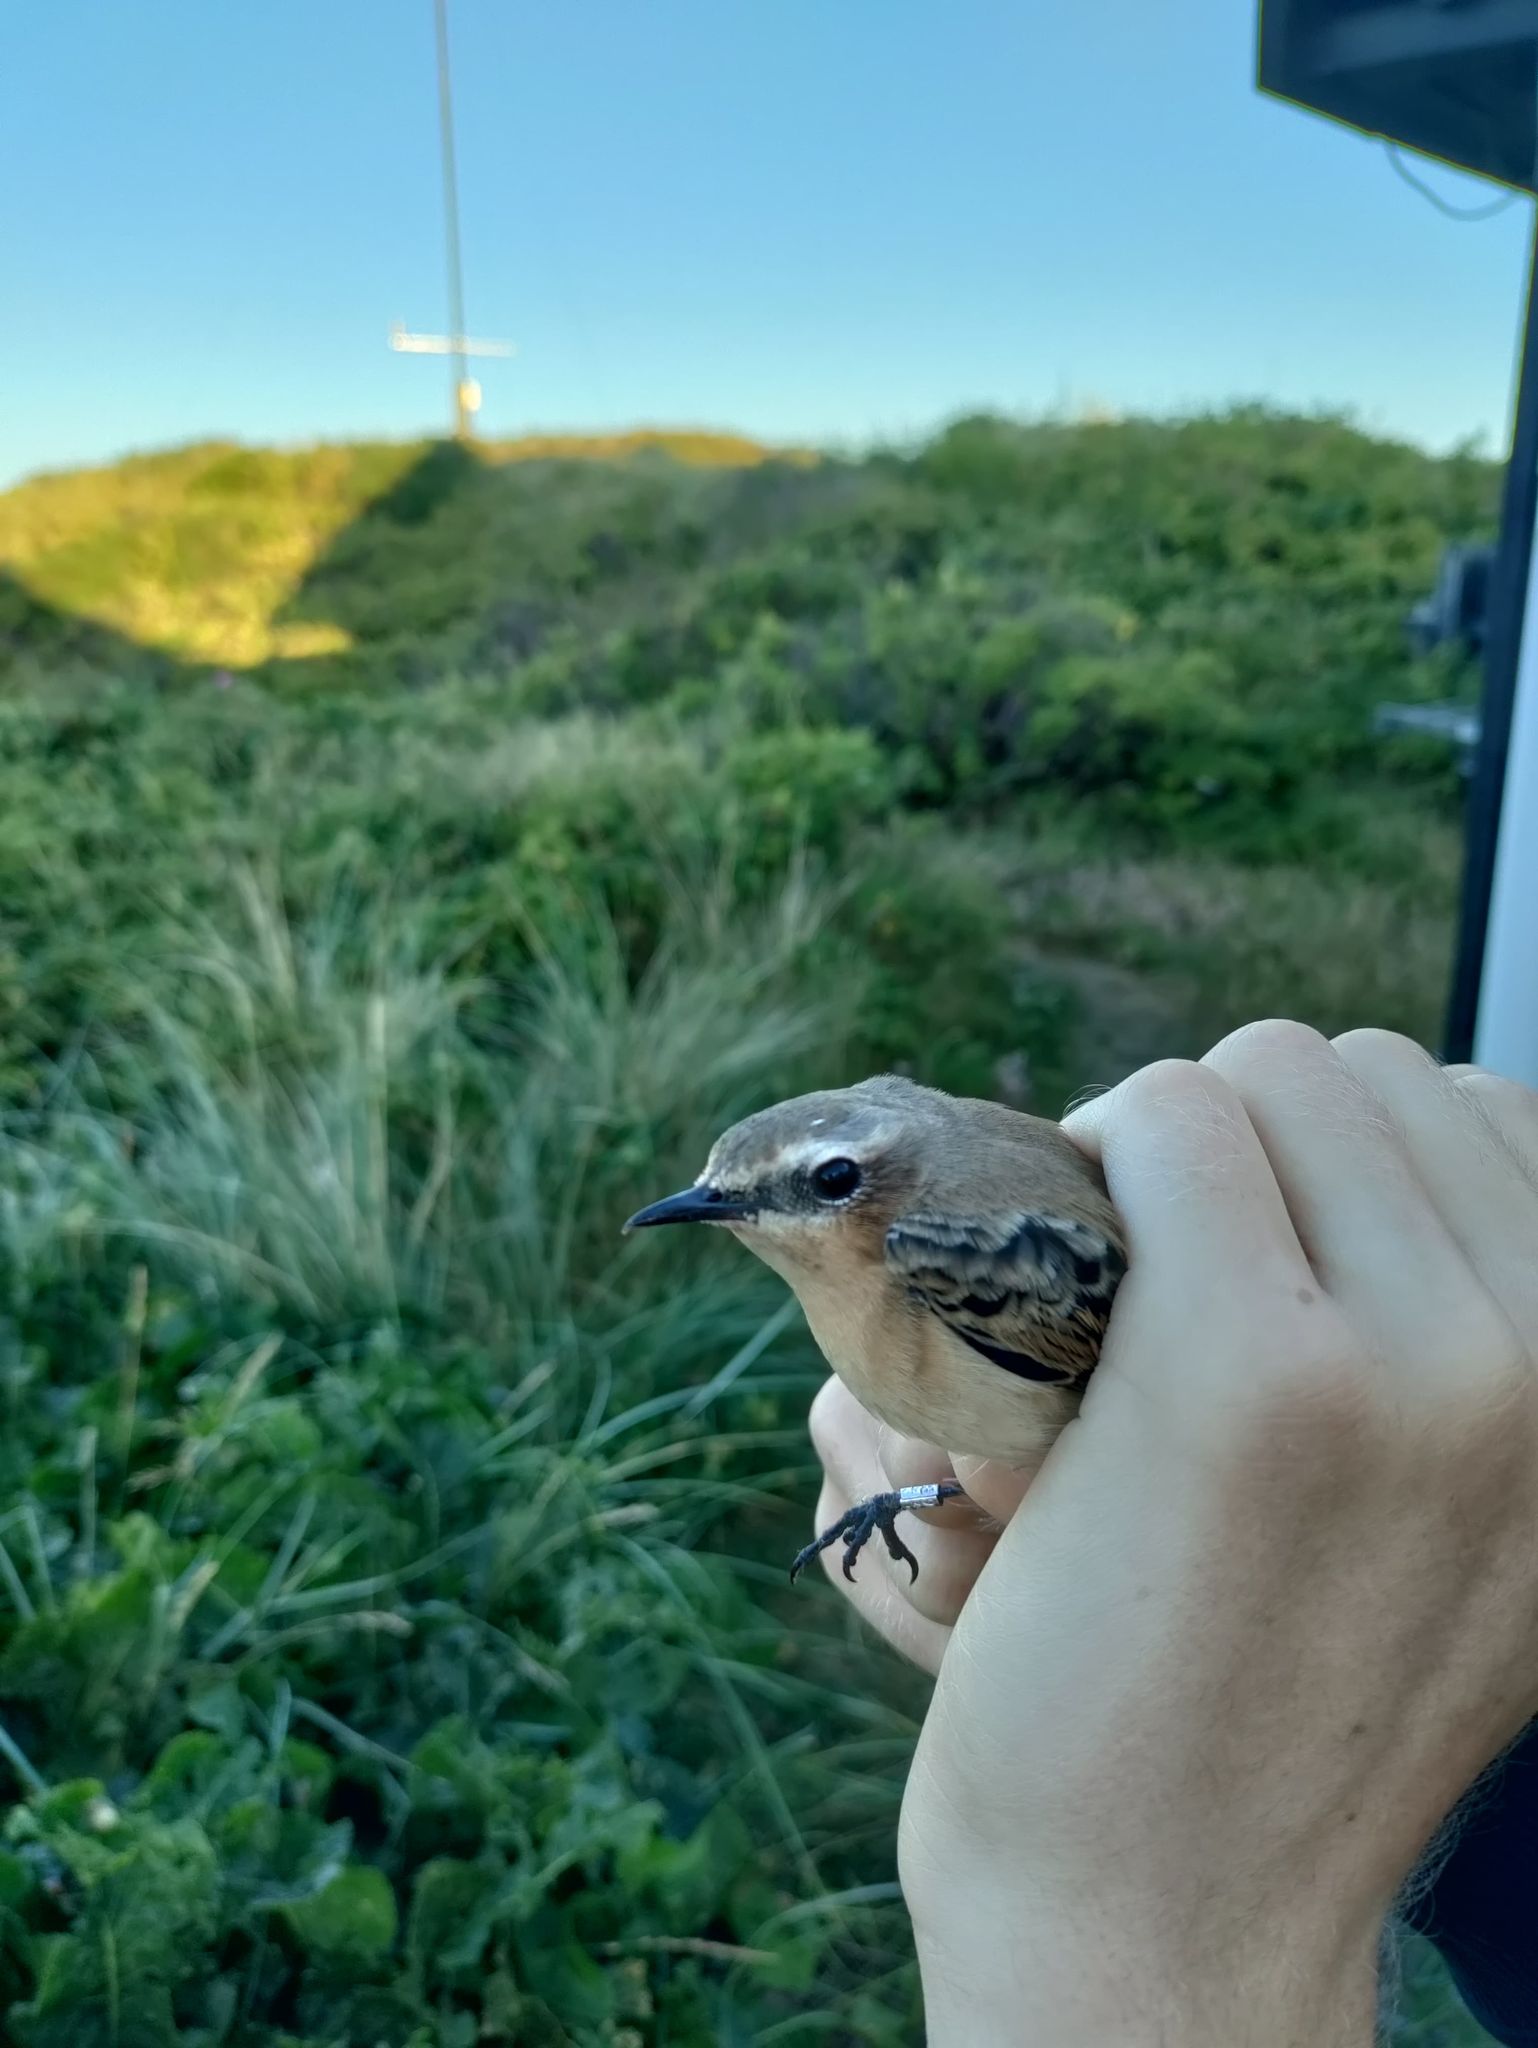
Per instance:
(832,219)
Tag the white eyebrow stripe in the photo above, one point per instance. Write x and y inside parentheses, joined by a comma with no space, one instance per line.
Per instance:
(809,1152)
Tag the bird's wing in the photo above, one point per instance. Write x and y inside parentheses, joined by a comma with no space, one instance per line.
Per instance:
(1030,1292)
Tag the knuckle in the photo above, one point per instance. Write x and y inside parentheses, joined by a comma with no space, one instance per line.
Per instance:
(1176,1116)
(1270,1041)
(1507,1108)
(1369,1045)
(1167,1084)
(1493,1358)
(1495,1091)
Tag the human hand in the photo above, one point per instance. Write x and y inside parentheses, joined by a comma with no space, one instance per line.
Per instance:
(1269,1606)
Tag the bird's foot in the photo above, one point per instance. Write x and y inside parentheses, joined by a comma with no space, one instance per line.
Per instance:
(855,1528)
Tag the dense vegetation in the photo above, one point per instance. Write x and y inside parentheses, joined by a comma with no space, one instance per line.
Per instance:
(408,858)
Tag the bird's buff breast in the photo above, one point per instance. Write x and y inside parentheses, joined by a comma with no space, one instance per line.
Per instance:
(900,1362)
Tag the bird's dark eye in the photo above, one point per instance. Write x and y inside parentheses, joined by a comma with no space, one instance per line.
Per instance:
(835,1180)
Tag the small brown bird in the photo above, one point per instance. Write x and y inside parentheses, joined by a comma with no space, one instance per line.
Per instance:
(956,1261)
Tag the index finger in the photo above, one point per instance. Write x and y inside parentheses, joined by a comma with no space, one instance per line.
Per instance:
(1191,1180)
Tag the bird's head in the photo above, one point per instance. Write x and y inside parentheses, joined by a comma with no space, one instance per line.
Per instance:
(814,1179)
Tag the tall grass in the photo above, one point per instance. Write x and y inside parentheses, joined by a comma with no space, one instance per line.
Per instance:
(373,1427)
(1211,944)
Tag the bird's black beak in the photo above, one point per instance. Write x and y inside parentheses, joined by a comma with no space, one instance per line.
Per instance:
(692,1205)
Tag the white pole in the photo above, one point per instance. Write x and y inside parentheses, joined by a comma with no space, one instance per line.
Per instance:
(1506,1019)
(1506,1031)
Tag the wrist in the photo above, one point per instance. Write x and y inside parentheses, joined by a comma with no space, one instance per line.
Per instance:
(1000,1978)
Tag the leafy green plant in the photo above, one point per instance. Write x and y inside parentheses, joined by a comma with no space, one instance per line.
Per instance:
(365,1660)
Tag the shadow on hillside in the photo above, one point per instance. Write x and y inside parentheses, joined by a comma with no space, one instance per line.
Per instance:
(37,637)
(465,562)
(375,569)
(470,561)
(399,566)
(415,582)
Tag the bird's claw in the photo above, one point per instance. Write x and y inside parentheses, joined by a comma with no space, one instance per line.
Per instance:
(858,1524)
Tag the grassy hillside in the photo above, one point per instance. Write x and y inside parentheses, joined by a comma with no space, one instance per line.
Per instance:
(409,857)
(198,552)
